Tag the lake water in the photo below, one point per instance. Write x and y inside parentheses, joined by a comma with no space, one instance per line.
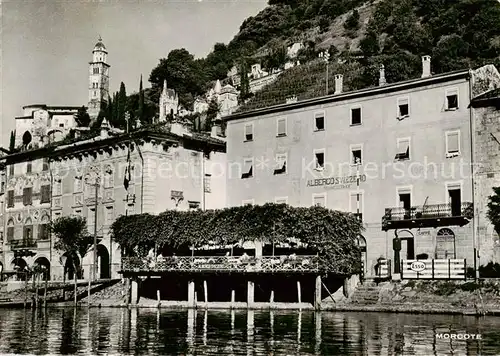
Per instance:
(116,331)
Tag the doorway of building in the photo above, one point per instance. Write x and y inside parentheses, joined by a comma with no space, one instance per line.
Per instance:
(455,200)
(103,262)
(445,244)
(362,247)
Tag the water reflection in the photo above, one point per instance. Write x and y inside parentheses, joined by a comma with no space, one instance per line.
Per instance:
(234,332)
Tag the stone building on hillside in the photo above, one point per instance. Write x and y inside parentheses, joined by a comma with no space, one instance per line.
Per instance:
(226,96)
(41,124)
(169,103)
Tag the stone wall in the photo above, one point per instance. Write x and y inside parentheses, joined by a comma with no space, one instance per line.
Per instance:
(487,176)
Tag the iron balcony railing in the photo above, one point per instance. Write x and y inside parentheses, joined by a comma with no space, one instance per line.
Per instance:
(435,211)
(298,263)
(25,243)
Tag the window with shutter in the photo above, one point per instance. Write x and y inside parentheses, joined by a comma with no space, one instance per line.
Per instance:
(280,163)
(319,157)
(45,191)
(43,232)
(319,121)
(29,167)
(452,99)
(403,150)
(248,132)
(281,127)
(28,196)
(247,169)
(10,233)
(28,233)
(10,199)
(45,164)
(452,143)
(403,107)
(10,230)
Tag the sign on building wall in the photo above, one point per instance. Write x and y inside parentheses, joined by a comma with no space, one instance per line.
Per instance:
(336,182)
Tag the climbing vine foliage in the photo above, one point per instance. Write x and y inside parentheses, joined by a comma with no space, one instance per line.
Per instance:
(331,234)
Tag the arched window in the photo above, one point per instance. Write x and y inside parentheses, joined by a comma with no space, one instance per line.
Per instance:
(28,230)
(43,230)
(108,177)
(445,244)
(10,230)
(26,138)
(77,184)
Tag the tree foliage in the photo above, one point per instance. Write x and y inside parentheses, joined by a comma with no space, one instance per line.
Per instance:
(212,112)
(72,237)
(12,142)
(182,73)
(121,105)
(82,117)
(352,22)
(73,241)
(332,234)
(494,209)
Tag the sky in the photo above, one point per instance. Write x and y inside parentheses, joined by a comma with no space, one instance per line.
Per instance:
(46,44)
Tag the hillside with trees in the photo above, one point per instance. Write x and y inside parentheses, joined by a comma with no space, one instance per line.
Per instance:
(360,35)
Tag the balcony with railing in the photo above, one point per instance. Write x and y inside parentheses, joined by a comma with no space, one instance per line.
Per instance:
(264,264)
(22,244)
(435,215)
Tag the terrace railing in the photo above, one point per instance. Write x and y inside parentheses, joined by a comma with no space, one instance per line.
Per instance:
(269,264)
(428,213)
(20,244)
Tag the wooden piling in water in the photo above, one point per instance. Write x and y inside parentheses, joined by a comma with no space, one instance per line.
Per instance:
(250,294)
(317,293)
(205,291)
(299,292)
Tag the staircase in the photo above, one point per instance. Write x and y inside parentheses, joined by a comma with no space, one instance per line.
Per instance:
(366,294)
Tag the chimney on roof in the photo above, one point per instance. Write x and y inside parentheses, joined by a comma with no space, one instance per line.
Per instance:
(426,66)
(339,79)
(381,79)
(216,129)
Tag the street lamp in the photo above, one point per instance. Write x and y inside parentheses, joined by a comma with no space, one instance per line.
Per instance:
(95,182)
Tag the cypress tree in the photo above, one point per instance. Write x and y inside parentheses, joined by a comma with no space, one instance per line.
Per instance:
(109,110)
(12,143)
(140,114)
(115,109)
(122,106)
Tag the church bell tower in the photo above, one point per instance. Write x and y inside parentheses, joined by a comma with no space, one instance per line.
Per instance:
(98,78)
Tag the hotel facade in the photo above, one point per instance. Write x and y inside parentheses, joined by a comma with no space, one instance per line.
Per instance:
(401,157)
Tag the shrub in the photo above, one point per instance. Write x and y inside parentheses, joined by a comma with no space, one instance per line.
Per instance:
(331,234)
